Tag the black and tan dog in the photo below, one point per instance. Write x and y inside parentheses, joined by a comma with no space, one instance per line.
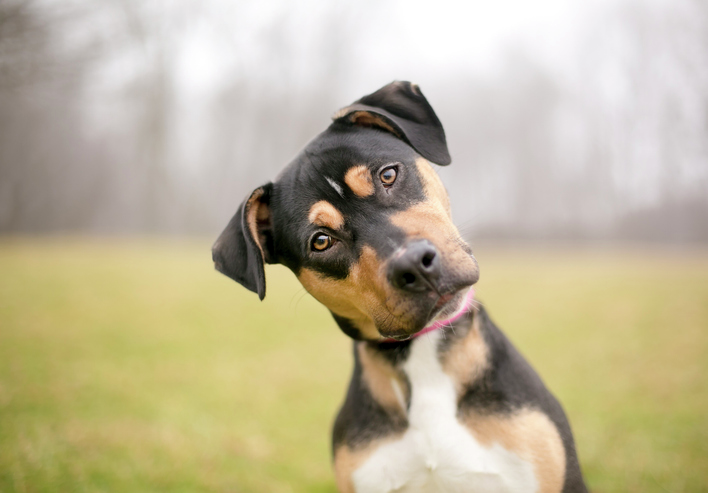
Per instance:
(363,221)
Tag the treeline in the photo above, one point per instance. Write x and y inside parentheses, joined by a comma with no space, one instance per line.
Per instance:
(108,125)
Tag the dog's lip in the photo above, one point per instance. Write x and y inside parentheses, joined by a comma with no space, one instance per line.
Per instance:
(400,338)
(456,298)
(442,301)
(448,303)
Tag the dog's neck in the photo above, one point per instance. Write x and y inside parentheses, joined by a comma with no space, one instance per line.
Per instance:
(451,334)
(453,330)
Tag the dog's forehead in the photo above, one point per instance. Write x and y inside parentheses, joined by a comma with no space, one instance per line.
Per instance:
(333,183)
(333,153)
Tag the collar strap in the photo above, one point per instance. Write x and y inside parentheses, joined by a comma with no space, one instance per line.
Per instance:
(465,308)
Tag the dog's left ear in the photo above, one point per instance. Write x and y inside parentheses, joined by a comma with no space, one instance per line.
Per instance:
(401,109)
(247,242)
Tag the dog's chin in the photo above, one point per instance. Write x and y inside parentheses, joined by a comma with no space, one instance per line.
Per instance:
(439,309)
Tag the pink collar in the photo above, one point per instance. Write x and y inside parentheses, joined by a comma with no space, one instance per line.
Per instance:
(467,305)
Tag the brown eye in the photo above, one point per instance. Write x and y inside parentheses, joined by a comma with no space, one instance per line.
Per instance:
(388,176)
(321,242)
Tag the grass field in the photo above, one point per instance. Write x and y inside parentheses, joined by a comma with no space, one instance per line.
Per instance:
(132,366)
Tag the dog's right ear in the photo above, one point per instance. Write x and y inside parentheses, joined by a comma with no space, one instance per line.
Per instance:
(247,242)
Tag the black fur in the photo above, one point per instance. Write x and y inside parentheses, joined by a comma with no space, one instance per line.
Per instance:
(235,252)
(404,108)
(361,418)
(331,154)
(510,384)
(410,129)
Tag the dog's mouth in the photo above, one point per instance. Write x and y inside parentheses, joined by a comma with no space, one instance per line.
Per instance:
(442,301)
(447,306)
(412,308)
(450,304)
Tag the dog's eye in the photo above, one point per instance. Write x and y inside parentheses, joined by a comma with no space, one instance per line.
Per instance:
(321,242)
(388,176)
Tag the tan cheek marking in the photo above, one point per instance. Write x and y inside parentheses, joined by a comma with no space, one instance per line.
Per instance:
(324,214)
(380,378)
(378,299)
(365,297)
(531,435)
(360,297)
(367,273)
(340,296)
(467,360)
(358,179)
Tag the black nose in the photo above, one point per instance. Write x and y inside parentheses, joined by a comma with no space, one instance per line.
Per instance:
(417,268)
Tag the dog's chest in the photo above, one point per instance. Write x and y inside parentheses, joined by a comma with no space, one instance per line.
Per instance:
(437,453)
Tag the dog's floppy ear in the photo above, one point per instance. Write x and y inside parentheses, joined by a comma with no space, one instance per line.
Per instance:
(247,242)
(401,109)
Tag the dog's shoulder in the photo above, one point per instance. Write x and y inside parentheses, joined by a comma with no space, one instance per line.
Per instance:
(510,404)
(374,410)
(472,395)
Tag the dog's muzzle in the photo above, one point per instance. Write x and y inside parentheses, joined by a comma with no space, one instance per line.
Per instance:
(416,268)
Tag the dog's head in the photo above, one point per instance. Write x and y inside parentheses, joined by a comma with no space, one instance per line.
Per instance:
(362,219)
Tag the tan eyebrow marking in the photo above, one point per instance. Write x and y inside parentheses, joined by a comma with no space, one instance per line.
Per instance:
(324,214)
(359,180)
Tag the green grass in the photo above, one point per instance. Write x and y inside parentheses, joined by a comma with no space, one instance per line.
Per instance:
(133,366)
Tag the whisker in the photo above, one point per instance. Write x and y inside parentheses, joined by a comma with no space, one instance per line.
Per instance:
(302,292)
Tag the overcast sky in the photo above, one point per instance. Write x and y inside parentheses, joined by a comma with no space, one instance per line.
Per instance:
(396,39)
(554,109)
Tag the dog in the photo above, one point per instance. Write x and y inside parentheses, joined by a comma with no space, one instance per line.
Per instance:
(439,399)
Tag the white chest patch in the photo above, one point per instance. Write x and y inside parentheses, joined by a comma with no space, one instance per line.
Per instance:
(437,454)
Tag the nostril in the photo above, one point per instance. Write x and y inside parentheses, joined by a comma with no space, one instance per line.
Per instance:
(408,278)
(416,268)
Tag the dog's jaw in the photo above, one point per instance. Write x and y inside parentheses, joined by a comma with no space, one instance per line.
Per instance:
(442,321)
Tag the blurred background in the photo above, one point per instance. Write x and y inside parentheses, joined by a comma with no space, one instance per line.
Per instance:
(566,120)
(131,130)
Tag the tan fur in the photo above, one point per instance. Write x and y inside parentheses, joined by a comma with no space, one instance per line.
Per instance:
(348,460)
(358,179)
(431,220)
(360,297)
(324,214)
(256,211)
(433,185)
(365,296)
(467,360)
(379,376)
(365,119)
(530,434)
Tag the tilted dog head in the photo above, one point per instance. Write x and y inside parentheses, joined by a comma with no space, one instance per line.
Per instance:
(362,219)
